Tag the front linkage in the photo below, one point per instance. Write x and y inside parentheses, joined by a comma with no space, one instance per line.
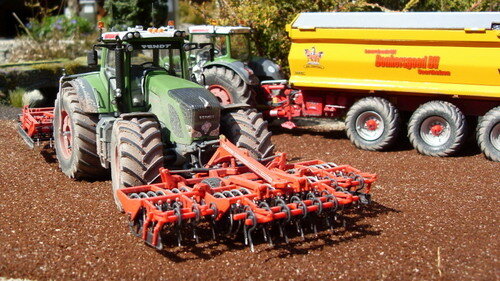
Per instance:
(235,192)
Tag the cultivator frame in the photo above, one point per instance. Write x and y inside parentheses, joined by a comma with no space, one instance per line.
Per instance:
(36,124)
(237,192)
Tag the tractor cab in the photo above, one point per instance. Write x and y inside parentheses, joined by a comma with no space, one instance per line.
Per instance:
(232,57)
(130,56)
(231,43)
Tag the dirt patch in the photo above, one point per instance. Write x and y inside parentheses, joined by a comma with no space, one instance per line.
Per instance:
(433,218)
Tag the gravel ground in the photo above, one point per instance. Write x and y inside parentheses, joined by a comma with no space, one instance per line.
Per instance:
(8,112)
(432,219)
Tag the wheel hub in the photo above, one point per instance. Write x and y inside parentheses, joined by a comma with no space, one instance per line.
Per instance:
(495,136)
(435,131)
(66,136)
(221,94)
(370,125)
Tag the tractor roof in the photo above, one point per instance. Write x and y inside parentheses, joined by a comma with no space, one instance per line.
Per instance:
(138,32)
(214,29)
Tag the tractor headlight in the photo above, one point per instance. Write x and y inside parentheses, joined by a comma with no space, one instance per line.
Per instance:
(129,35)
(118,92)
(137,34)
(178,33)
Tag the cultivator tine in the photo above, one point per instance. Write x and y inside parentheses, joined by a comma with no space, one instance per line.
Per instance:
(248,197)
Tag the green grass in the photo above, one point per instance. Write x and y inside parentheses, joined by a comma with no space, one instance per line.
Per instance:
(16,97)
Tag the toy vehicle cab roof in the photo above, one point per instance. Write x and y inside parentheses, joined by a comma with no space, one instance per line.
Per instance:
(214,29)
(396,20)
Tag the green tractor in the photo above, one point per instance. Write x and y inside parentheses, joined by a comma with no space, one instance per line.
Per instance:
(138,112)
(233,75)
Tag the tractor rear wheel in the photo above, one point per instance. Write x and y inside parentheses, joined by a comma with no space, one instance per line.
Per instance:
(227,86)
(136,153)
(437,128)
(488,134)
(75,138)
(373,123)
(247,129)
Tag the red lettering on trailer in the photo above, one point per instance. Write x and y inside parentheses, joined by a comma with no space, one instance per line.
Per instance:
(378,51)
(427,65)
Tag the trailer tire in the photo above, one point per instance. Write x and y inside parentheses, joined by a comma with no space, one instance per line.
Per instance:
(227,85)
(136,153)
(488,138)
(437,128)
(76,154)
(373,123)
(247,129)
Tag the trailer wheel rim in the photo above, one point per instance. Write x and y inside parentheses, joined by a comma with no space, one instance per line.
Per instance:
(435,131)
(370,125)
(221,94)
(66,135)
(495,136)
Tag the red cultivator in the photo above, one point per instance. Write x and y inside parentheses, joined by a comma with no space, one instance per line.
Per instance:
(236,192)
(35,124)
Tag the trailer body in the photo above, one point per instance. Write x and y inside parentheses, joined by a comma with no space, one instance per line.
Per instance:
(374,66)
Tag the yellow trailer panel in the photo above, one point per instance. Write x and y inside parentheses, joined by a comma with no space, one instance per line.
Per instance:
(453,59)
(434,73)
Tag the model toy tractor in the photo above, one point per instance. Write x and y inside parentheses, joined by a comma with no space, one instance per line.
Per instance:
(234,73)
(160,136)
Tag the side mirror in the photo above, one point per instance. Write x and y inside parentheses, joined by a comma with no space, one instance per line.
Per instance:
(92,58)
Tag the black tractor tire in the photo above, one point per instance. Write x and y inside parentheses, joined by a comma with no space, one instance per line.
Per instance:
(247,129)
(136,153)
(487,134)
(437,128)
(226,80)
(75,138)
(373,123)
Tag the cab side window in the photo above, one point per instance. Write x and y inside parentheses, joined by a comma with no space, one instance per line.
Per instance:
(110,64)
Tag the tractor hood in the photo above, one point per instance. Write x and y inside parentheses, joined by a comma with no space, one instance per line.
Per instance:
(187,111)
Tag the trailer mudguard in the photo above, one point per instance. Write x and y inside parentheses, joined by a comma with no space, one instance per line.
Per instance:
(240,69)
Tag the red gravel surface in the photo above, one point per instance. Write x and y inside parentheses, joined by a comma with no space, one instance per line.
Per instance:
(433,218)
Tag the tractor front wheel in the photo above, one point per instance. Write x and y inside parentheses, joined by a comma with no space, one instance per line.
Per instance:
(136,153)
(227,86)
(75,138)
(247,129)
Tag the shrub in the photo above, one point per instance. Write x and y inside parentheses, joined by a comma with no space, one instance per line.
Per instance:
(16,97)
(59,27)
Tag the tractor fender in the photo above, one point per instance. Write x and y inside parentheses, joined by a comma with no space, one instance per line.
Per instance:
(240,68)
(265,69)
(86,94)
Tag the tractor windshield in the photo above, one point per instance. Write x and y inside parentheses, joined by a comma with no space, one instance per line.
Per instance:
(171,61)
(218,41)
(240,49)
